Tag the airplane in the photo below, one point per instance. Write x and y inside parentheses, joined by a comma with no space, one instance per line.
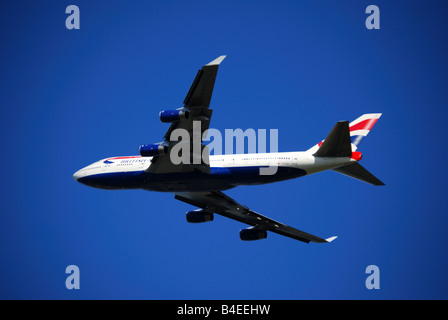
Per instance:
(201,183)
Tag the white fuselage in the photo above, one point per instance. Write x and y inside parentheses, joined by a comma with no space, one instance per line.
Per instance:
(226,171)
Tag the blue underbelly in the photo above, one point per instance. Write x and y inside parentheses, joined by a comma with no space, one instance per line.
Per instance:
(220,178)
(251,175)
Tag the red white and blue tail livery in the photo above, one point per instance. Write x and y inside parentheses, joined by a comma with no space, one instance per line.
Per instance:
(361,127)
(201,183)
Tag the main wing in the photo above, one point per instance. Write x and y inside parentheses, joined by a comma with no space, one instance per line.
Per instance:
(196,105)
(222,204)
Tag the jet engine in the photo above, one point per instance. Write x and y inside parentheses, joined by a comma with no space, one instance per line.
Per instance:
(150,150)
(198,216)
(252,233)
(173,115)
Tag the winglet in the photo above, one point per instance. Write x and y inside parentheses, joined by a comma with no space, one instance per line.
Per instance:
(217,61)
(331,239)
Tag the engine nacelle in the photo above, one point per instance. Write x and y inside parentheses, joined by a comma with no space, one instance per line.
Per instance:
(198,216)
(150,150)
(252,233)
(173,115)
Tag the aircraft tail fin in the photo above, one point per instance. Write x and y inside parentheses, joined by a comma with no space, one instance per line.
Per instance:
(357,130)
(361,127)
(343,141)
(357,171)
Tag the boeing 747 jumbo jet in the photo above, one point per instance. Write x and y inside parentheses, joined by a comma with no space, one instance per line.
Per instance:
(201,180)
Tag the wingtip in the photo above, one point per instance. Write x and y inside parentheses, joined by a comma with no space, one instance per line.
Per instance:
(330,239)
(217,61)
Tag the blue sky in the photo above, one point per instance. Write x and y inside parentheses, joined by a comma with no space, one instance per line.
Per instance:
(71,97)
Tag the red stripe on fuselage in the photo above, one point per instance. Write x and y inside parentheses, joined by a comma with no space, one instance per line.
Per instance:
(119,158)
(364,125)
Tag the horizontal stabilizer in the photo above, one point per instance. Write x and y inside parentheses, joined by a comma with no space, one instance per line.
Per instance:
(338,143)
(357,171)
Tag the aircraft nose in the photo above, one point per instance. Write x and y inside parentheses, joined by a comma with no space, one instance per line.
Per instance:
(77,175)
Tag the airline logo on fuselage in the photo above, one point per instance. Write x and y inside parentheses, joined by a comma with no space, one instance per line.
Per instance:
(127,160)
